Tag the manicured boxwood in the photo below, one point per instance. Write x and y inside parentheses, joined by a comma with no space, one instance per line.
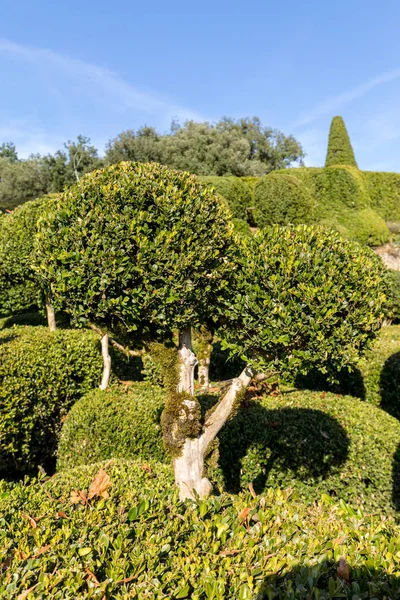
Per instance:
(41,375)
(392,309)
(384,193)
(141,542)
(282,199)
(315,443)
(340,151)
(236,192)
(312,442)
(118,422)
(377,378)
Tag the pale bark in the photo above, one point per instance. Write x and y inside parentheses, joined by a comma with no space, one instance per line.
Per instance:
(204,372)
(117,344)
(224,408)
(51,316)
(106,363)
(189,470)
(189,466)
(188,361)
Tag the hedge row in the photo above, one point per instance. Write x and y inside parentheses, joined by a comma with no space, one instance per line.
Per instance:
(141,542)
(42,374)
(354,202)
(315,443)
(377,378)
(19,290)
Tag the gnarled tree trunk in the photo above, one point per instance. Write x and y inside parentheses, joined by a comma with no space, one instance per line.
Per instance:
(106,363)
(51,316)
(187,362)
(204,349)
(189,465)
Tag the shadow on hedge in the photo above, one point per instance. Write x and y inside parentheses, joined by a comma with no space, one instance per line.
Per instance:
(307,442)
(389,385)
(322,581)
(349,384)
(396,479)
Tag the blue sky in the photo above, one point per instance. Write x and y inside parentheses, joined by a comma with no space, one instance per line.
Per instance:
(97,68)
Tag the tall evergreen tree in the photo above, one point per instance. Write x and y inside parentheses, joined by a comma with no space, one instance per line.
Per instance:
(340,151)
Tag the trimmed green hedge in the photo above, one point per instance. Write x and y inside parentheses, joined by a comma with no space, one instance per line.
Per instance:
(384,193)
(236,192)
(19,289)
(392,310)
(282,199)
(340,151)
(118,422)
(141,542)
(377,378)
(313,442)
(41,375)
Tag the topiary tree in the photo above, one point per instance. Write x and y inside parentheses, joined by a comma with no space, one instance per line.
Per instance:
(139,250)
(282,199)
(20,288)
(340,151)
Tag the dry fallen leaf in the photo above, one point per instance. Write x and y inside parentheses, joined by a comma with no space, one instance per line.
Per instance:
(6,563)
(126,580)
(146,467)
(61,515)
(26,593)
(243,514)
(99,485)
(252,492)
(75,497)
(93,577)
(343,570)
(30,519)
(42,550)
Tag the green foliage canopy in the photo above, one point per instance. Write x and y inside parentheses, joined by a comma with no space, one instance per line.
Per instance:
(137,244)
(304,295)
(19,286)
(229,147)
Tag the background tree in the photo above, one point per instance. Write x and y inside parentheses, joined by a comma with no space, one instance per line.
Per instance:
(20,181)
(227,147)
(8,151)
(340,150)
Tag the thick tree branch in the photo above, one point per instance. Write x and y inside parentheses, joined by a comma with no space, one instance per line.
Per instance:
(106,362)
(115,343)
(224,408)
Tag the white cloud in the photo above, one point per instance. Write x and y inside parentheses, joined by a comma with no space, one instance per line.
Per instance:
(73,84)
(331,105)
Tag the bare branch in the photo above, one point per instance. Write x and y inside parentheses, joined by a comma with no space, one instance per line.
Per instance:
(115,343)
(224,408)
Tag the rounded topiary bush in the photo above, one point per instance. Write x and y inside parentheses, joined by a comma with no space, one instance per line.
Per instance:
(137,248)
(118,422)
(236,192)
(42,374)
(315,443)
(141,541)
(282,199)
(392,307)
(367,227)
(19,288)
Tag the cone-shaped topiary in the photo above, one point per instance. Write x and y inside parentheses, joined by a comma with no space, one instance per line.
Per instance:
(340,151)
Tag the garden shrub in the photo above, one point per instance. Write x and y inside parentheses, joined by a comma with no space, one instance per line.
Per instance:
(235,191)
(384,193)
(140,542)
(340,151)
(315,443)
(366,227)
(19,288)
(42,374)
(312,442)
(282,199)
(376,378)
(392,307)
(118,422)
